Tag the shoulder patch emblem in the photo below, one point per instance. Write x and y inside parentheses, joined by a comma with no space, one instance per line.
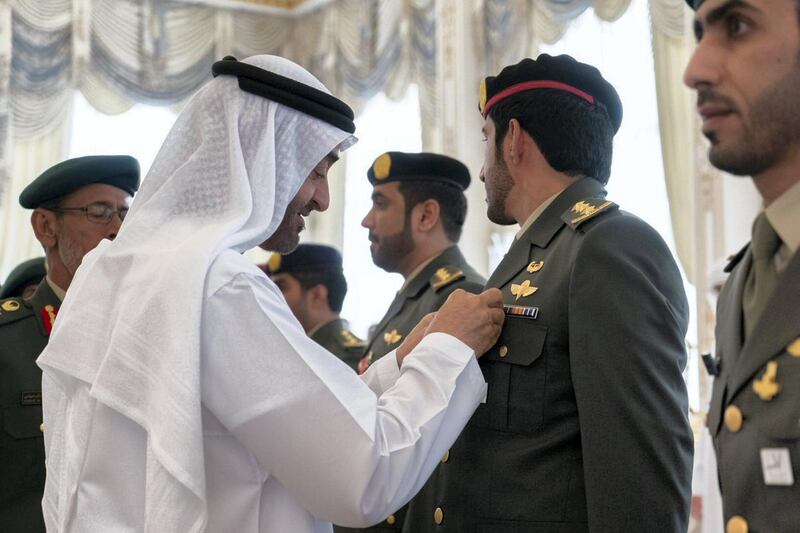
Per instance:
(444,277)
(349,340)
(584,210)
(13,309)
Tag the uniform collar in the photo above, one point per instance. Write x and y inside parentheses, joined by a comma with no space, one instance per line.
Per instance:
(57,291)
(451,256)
(533,216)
(416,272)
(322,325)
(784,216)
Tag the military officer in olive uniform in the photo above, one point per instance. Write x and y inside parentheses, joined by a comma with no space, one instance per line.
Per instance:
(418,211)
(312,281)
(75,204)
(585,425)
(24,278)
(746,72)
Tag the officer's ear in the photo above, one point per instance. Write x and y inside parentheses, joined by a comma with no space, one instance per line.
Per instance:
(45,227)
(317,296)
(514,145)
(426,215)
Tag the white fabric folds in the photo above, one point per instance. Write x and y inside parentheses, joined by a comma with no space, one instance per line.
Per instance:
(136,392)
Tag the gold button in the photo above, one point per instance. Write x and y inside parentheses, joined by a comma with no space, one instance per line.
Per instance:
(391,520)
(41,427)
(446,456)
(737,524)
(438,515)
(733,419)
(503,350)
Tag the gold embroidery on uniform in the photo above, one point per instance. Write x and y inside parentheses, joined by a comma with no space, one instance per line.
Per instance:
(586,210)
(523,290)
(10,306)
(392,337)
(767,387)
(794,348)
(51,313)
(444,276)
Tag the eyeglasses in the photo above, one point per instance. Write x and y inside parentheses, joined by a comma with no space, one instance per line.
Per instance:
(99,213)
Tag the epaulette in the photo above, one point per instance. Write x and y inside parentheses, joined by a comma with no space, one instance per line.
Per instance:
(734,259)
(348,339)
(444,276)
(12,309)
(585,210)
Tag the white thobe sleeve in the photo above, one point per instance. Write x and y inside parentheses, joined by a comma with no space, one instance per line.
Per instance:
(347,455)
(382,374)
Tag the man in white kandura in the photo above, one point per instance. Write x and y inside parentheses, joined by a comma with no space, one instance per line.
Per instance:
(181,395)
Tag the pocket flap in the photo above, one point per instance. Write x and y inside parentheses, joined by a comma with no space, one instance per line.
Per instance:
(23,422)
(521,342)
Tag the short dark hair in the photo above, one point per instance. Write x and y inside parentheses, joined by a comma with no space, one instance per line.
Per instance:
(333,281)
(451,200)
(574,136)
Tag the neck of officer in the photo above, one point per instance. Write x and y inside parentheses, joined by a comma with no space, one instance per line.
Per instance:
(426,248)
(779,178)
(57,272)
(533,187)
(317,319)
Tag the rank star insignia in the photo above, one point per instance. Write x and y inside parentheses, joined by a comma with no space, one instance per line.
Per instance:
(535,266)
(767,387)
(523,290)
(392,337)
(586,210)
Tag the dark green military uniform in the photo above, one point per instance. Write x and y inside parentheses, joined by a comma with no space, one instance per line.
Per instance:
(24,329)
(754,415)
(425,293)
(336,337)
(585,425)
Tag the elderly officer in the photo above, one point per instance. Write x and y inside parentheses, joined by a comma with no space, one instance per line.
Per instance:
(76,204)
(312,281)
(746,73)
(585,425)
(418,211)
(24,278)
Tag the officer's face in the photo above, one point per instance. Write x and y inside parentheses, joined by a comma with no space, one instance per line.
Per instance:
(496,178)
(76,235)
(294,294)
(312,196)
(389,232)
(746,74)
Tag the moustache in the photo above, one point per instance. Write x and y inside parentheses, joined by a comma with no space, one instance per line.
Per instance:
(706,95)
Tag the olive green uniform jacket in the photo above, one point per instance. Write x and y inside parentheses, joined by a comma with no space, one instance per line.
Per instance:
(24,329)
(585,427)
(336,337)
(754,415)
(425,293)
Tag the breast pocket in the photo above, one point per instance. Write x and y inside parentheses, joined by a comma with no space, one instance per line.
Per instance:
(779,418)
(515,369)
(21,450)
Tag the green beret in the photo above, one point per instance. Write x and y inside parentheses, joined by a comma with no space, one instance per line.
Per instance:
(562,73)
(305,258)
(400,166)
(121,171)
(24,274)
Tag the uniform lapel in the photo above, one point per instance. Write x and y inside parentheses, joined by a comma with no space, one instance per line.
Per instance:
(45,306)
(730,313)
(542,230)
(774,330)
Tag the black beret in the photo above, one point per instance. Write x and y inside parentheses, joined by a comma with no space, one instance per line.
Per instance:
(305,258)
(547,72)
(121,171)
(26,273)
(289,92)
(694,4)
(401,166)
